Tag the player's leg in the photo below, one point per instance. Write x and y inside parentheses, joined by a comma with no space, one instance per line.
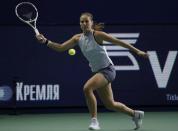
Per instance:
(95,82)
(106,96)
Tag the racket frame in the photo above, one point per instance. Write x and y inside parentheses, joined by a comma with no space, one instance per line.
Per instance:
(29,22)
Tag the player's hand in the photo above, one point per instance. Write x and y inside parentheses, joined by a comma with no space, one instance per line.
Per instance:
(143,54)
(41,38)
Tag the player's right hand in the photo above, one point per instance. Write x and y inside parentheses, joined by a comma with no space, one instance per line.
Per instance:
(41,38)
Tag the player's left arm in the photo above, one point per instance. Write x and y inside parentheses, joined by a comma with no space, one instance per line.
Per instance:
(106,37)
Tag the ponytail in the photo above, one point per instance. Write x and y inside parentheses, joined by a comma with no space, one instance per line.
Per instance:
(98,26)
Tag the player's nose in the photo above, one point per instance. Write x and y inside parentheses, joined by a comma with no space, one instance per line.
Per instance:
(85,23)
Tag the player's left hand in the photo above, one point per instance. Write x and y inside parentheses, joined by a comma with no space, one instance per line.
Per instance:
(143,54)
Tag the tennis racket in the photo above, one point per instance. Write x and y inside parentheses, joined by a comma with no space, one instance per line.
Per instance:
(27,13)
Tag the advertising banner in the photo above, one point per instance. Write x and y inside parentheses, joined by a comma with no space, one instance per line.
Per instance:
(42,77)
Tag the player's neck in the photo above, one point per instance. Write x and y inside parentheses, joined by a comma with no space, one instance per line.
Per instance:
(87,32)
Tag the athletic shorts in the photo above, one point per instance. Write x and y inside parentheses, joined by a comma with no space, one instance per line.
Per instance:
(108,72)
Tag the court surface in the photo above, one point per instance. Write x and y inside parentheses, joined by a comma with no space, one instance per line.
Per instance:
(110,121)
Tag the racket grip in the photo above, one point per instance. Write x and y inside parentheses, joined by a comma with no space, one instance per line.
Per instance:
(36,31)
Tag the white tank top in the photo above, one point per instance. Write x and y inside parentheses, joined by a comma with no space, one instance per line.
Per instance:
(95,54)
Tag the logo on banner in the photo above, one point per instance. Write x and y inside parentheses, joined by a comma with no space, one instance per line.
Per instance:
(5,93)
(161,75)
(45,92)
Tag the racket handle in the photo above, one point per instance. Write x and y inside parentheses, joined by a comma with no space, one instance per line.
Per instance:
(36,31)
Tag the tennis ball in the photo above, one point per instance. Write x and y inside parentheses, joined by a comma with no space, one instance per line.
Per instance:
(71,52)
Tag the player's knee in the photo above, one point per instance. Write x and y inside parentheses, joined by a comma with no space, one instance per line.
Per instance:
(113,105)
(110,106)
(87,89)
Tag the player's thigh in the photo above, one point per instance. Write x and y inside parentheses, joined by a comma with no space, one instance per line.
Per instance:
(95,82)
(106,94)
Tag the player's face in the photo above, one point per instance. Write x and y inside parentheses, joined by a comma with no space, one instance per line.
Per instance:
(86,23)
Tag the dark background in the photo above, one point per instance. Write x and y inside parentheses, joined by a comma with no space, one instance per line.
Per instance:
(64,12)
(22,59)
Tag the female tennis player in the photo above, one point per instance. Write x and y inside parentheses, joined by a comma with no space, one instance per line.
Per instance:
(90,42)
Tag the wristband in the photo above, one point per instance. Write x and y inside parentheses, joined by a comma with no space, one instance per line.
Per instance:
(46,42)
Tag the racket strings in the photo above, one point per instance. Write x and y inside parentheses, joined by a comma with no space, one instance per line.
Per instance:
(27,12)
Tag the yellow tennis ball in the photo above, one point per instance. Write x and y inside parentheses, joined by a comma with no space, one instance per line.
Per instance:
(71,52)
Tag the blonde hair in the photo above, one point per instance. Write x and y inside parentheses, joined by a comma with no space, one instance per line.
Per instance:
(96,26)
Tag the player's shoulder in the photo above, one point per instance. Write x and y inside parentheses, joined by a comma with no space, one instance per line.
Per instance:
(99,33)
(77,37)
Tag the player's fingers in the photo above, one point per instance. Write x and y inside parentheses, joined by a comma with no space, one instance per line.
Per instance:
(41,38)
(147,55)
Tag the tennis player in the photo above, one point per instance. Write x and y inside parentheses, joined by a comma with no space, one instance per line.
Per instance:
(90,42)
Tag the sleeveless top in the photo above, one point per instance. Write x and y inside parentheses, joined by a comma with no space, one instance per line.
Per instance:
(95,54)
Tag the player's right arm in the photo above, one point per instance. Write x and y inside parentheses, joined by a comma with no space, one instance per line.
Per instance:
(57,46)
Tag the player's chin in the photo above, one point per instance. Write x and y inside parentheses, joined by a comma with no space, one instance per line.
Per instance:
(85,29)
